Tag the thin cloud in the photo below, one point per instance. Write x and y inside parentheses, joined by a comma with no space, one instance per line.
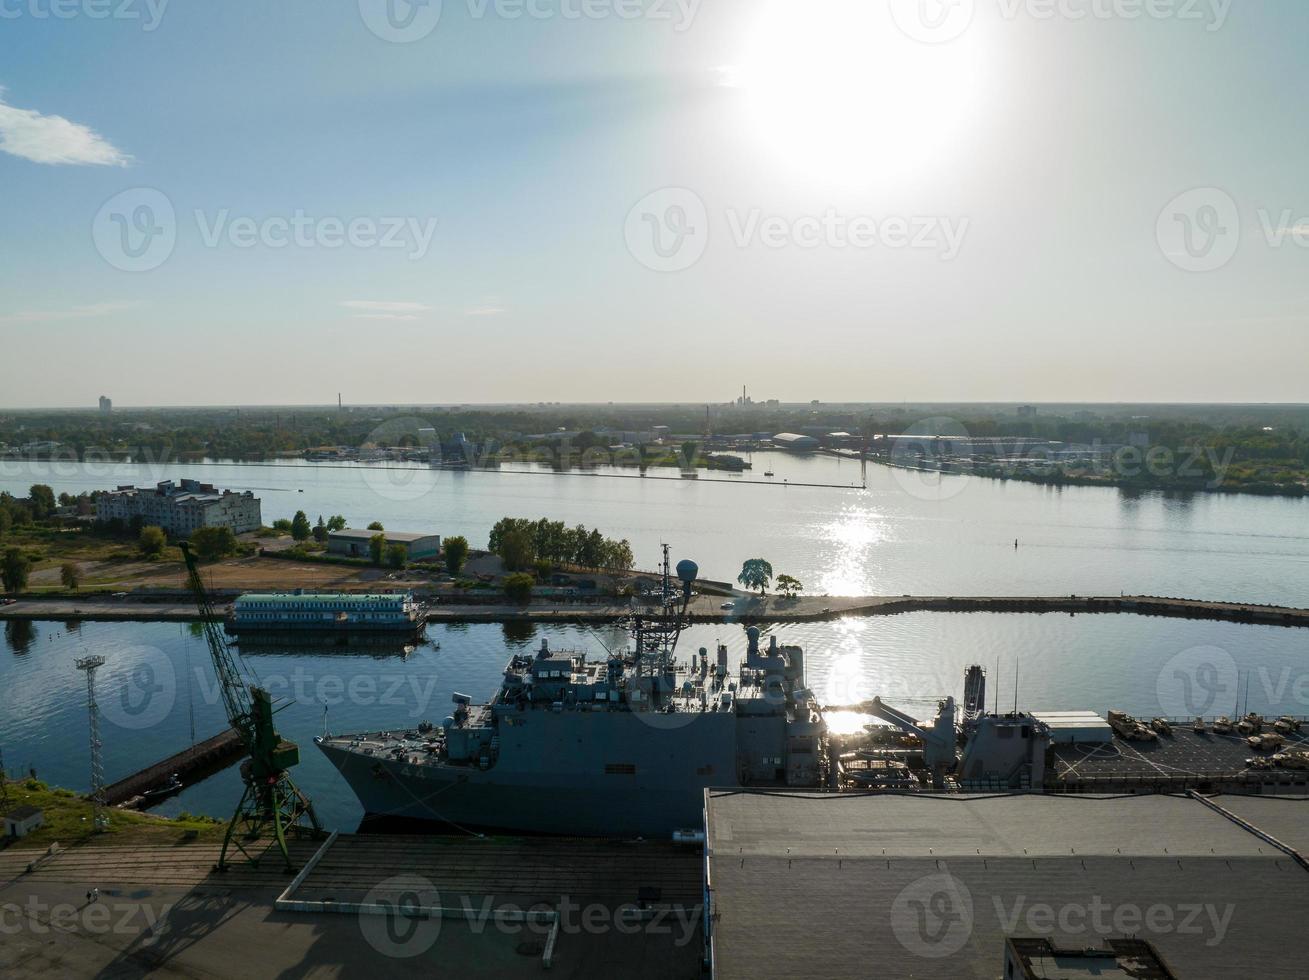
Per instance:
(484,311)
(385,316)
(384,306)
(72,313)
(30,135)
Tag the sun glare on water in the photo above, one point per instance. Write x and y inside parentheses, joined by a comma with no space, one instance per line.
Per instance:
(837,93)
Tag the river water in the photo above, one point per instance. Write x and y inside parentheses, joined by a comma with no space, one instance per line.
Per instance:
(905,533)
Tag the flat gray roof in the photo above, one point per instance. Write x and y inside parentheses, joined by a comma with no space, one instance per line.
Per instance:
(405,537)
(801,887)
(925,825)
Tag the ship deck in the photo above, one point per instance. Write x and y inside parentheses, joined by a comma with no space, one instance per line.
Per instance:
(1184,759)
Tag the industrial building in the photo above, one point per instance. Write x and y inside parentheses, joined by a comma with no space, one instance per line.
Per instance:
(181,507)
(22,820)
(354,543)
(929,885)
(794,442)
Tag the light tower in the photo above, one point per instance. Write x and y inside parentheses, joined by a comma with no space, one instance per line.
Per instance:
(100,818)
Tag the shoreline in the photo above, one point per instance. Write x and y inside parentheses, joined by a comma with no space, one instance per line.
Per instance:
(705,609)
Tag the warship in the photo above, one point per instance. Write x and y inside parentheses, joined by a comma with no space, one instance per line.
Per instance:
(623,745)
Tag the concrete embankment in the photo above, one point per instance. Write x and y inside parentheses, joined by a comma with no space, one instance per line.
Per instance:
(708,609)
(190,765)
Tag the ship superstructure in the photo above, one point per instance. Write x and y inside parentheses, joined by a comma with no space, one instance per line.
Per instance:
(623,745)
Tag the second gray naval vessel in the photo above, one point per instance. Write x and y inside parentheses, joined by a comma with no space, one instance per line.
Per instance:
(621,746)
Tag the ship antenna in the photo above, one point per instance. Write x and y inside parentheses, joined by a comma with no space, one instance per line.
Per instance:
(997,686)
(1015,686)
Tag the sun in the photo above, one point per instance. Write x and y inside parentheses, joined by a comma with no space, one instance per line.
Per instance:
(835,92)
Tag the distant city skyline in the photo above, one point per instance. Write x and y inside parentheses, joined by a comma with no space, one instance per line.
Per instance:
(231,204)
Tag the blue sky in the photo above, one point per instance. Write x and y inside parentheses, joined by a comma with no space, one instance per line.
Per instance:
(821,199)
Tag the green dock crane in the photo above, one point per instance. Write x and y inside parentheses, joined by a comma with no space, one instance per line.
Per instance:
(271,799)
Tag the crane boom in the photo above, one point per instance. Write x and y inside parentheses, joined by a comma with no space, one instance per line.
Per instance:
(236,694)
(271,801)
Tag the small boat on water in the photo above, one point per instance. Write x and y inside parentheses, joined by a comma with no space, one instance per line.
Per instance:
(173,785)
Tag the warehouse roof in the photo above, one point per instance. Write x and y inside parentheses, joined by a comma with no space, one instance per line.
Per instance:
(365,535)
(932,886)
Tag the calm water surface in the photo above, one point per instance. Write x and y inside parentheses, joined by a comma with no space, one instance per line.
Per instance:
(158,677)
(905,533)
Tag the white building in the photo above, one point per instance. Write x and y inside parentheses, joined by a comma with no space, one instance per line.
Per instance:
(22,821)
(181,508)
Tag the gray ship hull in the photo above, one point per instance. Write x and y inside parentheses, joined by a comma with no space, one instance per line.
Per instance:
(622,806)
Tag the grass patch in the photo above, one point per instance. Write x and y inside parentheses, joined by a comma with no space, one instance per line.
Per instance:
(68,820)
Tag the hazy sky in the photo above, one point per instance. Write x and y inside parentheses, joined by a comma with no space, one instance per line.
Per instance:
(254,202)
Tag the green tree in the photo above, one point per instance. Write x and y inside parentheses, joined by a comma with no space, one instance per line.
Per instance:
(213,543)
(300,529)
(320,530)
(336,523)
(71,575)
(756,573)
(376,526)
(516,549)
(152,541)
(43,501)
(376,547)
(518,587)
(6,522)
(13,570)
(396,554)
(456,553)
(789,585)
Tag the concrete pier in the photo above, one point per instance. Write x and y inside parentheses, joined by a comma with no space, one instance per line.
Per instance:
(191,765)
(710,609)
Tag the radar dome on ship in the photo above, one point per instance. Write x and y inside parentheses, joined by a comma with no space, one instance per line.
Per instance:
(687,570)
